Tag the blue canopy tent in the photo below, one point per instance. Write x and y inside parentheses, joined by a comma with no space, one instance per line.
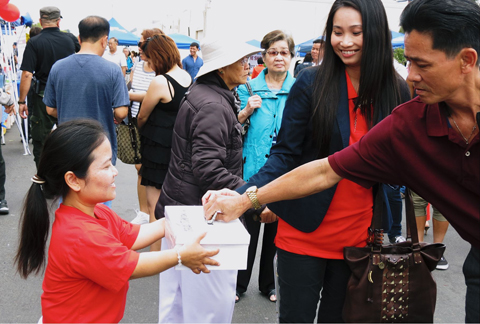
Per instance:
(254,42)
(305,47)
(395,34)
(124,36)
(183,41)
(398,40)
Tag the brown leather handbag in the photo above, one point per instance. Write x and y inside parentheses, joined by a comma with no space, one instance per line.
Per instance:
(392,283)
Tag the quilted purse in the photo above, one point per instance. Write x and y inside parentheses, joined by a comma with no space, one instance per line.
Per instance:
(392,283)
(128,141)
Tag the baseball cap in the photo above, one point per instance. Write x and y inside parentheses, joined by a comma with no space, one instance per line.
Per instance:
(50,13)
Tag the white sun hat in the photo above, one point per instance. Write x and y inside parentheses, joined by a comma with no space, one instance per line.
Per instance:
(218,53)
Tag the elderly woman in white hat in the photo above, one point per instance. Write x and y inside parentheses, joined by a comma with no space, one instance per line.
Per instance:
(206,154)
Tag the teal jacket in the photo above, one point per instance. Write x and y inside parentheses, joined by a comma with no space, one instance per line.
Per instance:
(263,122)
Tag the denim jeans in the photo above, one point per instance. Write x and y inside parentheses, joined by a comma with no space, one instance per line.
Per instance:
(395,201)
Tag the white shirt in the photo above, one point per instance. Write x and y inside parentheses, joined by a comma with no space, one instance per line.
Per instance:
(117,58)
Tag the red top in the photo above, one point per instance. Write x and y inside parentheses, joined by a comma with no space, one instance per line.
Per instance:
(256,70)
(89,265)
(349,215)
(417,147)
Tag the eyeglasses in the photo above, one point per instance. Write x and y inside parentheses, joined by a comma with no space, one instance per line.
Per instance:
(283,53)
(139,44)
(243,61)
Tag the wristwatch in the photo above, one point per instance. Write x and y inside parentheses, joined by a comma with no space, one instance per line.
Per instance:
(21,102)
(252,195)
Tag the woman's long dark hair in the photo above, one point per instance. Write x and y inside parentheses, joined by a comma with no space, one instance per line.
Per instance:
(68,148)
(379,84)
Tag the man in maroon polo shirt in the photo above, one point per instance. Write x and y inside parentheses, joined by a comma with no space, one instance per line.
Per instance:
(431,144)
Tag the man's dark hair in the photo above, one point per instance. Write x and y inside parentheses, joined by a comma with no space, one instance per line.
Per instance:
(34,31)
(308,58)
(260,60)
(452,24)
(318,41)
(195,44)
(92,28)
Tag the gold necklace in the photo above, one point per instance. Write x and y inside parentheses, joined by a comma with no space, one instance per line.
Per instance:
(458,128)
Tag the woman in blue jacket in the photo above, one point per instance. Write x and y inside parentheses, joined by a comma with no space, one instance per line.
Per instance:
(263,106)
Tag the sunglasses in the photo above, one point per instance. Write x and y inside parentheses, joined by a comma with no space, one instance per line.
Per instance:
(143,45)
(283,53)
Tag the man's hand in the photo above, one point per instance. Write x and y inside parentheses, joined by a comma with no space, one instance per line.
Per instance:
(229,204)
(23,110)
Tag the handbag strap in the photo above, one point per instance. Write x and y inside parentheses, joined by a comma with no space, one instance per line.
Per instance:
(249,88)
(133,134)
(129,115)
(410,217)
(246,124)
(376,232)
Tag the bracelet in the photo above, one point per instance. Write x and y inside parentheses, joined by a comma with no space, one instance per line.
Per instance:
(22,102)
(177,249)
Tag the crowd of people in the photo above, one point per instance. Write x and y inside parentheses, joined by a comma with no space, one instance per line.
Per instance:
(295,153)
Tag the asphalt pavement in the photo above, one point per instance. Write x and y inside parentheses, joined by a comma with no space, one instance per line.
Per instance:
(20,299)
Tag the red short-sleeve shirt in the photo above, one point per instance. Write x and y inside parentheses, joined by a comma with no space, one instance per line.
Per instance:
(348,216)
(89,265)
(417,147)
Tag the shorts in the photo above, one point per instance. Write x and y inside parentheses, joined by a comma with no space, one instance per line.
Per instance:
(420,208)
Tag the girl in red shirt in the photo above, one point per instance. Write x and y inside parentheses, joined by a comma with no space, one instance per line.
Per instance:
(92,253)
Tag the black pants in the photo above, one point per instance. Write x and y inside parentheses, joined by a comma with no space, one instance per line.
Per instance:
(266,277)
(471,271)
(41,126)
(301,278)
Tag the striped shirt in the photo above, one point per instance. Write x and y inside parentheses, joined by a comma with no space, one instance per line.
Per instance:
(140,82)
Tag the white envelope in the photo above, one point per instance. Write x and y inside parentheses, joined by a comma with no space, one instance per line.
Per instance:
(185,223)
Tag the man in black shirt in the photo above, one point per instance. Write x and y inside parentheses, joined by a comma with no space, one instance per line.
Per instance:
(40,54)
